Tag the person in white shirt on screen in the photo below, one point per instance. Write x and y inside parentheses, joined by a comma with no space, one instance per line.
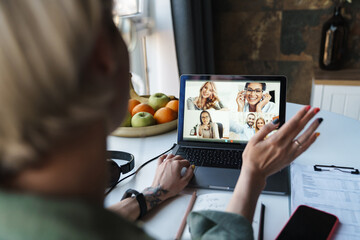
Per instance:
(245,131)
(253,99)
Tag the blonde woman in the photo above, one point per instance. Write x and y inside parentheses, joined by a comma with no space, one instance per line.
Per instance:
(63,88)
(259,123)
(207,99)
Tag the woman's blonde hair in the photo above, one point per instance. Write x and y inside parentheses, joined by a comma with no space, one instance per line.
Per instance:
(256,123)
(44,46)
(210,101)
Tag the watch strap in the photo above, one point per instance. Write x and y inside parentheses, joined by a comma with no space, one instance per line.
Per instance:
(140,198)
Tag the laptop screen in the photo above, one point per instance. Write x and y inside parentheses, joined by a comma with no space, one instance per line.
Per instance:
(218,109)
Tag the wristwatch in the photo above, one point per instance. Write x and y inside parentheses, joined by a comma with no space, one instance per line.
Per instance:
(140,198)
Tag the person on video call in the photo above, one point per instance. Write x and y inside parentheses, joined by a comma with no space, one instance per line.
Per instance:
(259,123)
(207,128)
(207,99)
(253,99)
(244,131)
(71,92)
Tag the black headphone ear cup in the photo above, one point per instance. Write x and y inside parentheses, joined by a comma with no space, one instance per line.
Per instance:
(114,172)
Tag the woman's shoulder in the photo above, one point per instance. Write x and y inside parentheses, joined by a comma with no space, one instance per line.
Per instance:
(32,216)
(228,225)
(213,124)
(190,102)
(218,105)
(269,107)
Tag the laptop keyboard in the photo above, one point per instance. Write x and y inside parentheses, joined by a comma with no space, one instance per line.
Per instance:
(212,157)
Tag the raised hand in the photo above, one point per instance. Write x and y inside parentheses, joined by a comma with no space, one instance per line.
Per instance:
(263,157)
(267,156)
(265,100)
(240,100)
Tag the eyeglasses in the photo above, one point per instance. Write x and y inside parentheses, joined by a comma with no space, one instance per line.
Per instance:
(250,90)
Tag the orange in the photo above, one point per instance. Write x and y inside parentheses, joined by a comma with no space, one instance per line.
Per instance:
(142,107)
(174,105)
(132,103)
(164,115)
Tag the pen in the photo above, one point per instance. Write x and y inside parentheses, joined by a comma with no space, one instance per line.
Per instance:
(261,225)
(183,222)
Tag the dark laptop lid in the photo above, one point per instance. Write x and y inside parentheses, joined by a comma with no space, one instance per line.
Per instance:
(228,101)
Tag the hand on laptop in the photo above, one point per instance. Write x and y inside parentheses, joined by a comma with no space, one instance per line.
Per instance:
(168,180)
(263,157)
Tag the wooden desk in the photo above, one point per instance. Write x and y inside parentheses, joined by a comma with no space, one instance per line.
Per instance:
(337,144)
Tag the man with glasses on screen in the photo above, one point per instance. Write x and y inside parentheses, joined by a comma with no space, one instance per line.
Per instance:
(254,99)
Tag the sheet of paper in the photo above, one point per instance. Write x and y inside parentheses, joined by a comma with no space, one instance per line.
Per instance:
(331,191)
(164,221)
(219,201)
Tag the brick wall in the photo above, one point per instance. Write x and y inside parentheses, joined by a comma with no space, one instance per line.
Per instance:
(277,37)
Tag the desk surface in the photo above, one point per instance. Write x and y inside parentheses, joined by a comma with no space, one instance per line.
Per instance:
(336,145)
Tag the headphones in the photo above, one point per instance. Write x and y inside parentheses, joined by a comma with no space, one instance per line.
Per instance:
(114,169)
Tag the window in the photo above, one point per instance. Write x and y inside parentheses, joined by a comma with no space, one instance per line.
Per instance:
(149,35)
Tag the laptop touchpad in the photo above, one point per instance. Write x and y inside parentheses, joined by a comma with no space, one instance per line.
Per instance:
(221,178)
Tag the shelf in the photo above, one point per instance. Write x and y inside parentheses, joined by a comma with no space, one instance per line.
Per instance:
(347,77)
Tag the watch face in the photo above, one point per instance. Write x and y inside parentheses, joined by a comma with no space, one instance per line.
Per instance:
(114,172)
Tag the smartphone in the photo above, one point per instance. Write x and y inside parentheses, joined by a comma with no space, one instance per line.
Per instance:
(309,223)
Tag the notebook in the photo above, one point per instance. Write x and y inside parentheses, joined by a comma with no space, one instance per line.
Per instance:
(218,115)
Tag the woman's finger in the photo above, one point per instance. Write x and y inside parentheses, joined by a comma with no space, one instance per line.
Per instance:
(183,163)
(188,174)
(302,123)
(161,159)
(170,156)
(294,126)
(310,130)
(265,130)
(306,144)
(177,157)
(294,121)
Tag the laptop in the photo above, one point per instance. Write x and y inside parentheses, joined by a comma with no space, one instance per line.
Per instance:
(218,115)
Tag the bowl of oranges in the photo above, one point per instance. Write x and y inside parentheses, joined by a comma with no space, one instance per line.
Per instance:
(149,115)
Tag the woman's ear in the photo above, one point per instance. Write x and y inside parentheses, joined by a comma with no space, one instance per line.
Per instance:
(101,58)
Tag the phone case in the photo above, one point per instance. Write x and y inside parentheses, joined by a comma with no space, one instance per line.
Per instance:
(332,231)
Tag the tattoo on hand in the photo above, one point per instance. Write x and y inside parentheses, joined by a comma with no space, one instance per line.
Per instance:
(153,194)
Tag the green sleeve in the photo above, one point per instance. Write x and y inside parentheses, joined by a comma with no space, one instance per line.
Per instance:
(219,225)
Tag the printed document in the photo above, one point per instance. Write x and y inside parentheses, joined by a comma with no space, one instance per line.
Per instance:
(331,191)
